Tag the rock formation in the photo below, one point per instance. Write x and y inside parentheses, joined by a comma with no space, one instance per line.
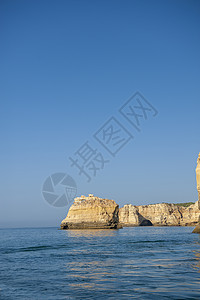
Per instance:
(159,215)
(92,212)
(129,216)
(197,229)
(198,178)
(97,213)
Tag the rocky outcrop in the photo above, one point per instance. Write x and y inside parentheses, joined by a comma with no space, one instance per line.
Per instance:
(129,216)
(190,215)
(197,229)
(198,175)
(163,214)
(92,212)
(97,213)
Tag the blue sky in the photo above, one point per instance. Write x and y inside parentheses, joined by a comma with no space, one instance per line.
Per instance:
(66,68)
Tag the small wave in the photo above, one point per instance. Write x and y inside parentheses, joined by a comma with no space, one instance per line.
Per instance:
(144,242)
(33,248)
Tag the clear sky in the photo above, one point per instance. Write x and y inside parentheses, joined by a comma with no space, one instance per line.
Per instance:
(66,68)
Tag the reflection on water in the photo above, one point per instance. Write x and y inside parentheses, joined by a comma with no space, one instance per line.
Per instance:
(197,263)
(91,232)
(91,274)
(137,263)
(133,262)
(197,255)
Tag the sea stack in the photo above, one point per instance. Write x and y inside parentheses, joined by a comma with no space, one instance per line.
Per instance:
(92,213)
(197,228)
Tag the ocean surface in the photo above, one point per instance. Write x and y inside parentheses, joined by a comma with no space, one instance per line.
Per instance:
(136,263)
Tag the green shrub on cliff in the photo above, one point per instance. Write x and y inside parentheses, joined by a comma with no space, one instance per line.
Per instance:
(184,204)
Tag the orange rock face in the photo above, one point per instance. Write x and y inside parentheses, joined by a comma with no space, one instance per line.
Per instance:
(92,212)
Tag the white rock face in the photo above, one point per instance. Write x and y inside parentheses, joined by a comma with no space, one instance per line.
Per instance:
(191,215)
(129,215)
(197,229)
(162,214)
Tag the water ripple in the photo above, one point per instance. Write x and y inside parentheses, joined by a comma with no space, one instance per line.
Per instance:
(137,263)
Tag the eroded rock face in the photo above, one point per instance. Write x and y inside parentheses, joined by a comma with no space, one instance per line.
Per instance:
(129,216)
(190,215)
(198,173)
(92,212)
(197,229)
(198,177)
(159,215)
(97,213)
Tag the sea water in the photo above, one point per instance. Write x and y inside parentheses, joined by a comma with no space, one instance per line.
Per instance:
(136,263)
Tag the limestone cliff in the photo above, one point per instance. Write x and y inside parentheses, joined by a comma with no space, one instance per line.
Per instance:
(92,212)
(198,176)
(197,229)
(159,215)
